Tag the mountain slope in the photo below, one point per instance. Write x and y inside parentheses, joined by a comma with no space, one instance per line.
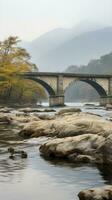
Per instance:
(103,65)
(78,50)
(51,39)
(47,42)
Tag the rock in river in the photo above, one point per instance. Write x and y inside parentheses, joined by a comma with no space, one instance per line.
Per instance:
(96,193)
(81,137)
(92,141)
(86,148)
(66,125)
(68,110)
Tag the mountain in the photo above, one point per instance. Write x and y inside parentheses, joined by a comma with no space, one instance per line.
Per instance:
(59,48)
(87,26)
(55,37)
(78,50)
(46,43)
(50,40)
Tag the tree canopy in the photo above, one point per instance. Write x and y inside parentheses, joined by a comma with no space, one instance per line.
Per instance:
(14,60)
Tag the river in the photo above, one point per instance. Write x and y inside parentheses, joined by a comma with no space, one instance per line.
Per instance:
(38,179)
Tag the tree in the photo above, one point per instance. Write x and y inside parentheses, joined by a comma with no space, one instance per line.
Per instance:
(14,60)
(14,57)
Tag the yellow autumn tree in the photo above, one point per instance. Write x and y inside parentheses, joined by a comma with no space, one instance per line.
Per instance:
(14,60)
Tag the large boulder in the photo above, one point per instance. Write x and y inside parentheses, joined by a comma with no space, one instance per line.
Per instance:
(87,148)
(67,125)
(75,148)
(96,193)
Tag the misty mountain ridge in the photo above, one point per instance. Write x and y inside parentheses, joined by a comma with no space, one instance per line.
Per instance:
(59,48)
(79,50)
(87,26)
(48,41)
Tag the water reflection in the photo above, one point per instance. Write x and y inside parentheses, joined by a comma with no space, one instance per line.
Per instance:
(106,173)
(11,168)
(104,170)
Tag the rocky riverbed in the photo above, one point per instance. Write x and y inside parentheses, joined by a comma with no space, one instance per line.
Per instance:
(74,136)
(84,137)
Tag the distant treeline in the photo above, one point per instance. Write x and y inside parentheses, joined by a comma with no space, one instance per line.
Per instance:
(99,66)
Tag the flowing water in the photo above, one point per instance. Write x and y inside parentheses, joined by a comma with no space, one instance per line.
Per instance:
(37,179)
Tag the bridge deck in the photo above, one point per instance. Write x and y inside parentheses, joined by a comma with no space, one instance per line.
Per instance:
(56,74)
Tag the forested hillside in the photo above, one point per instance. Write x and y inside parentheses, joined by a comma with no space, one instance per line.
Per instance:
(84,92)
(99,66)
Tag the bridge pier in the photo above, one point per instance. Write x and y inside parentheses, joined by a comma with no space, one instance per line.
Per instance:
(106,100)
(56,100)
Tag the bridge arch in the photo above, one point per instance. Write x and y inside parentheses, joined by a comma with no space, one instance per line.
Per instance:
(46,86)
(100,90)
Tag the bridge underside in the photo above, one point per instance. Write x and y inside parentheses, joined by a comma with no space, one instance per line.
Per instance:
(58,100)
(46,86)
(100,90)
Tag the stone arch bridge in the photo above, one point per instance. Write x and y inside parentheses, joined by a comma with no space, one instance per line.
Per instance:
(57,83)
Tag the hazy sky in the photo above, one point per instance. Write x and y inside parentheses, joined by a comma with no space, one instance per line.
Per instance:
(30,18)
